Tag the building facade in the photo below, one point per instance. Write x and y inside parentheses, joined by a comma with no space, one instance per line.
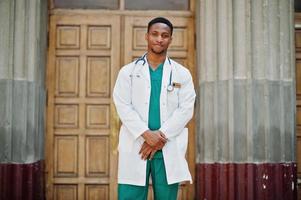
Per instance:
(59,128)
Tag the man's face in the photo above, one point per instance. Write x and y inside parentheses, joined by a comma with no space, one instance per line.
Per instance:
(158,38)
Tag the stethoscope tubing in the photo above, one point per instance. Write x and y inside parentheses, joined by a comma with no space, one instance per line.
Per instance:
(170,86)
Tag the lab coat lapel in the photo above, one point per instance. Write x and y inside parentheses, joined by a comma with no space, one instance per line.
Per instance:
(166,74)
(145,71)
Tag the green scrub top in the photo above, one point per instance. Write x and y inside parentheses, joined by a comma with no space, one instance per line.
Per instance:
(154,120)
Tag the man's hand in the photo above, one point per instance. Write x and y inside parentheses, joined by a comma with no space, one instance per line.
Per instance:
(147,152)
(155,139)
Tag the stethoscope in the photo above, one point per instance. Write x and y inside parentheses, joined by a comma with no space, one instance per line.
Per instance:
(170,86)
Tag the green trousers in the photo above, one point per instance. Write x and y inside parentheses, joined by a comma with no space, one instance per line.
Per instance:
(162,191)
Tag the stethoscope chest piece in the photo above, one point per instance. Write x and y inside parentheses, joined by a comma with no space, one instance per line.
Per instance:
(169,88)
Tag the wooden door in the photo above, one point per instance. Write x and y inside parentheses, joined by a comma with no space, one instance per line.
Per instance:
(83,62)
(86,50)
(182,51)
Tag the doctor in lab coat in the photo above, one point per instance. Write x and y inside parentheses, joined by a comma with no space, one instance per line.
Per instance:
(154,97)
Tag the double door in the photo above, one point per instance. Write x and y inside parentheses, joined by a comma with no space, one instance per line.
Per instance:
(86,51)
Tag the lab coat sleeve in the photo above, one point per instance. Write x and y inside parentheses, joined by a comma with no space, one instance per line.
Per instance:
(125,109)
(174,125)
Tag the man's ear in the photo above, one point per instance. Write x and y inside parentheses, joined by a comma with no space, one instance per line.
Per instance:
(146,36)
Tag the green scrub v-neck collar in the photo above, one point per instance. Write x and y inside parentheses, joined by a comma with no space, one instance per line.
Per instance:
(157,73)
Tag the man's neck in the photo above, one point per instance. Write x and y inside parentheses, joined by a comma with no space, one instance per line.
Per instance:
(154,59)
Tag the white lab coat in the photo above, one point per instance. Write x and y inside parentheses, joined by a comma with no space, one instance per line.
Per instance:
(131,97)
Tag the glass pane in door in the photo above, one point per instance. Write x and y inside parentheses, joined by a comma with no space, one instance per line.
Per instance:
(87,4)
(157,4)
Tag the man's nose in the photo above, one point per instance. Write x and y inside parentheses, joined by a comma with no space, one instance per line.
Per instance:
(159,39)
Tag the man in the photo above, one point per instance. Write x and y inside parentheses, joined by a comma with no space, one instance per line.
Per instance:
(154,98)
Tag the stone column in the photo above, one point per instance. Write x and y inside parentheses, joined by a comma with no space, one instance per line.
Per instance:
(246,117)
(23,49)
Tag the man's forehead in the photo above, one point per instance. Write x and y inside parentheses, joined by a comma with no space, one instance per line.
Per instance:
(160,25)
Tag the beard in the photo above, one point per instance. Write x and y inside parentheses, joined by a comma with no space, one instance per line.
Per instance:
(158,52)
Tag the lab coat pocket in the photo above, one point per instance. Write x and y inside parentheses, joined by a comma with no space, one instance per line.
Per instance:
(139,90)
(173,98)
(182,142)
(138,83)
(126,140)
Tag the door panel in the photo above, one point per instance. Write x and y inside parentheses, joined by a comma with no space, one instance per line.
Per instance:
(182,51)
(181,48)
(81,126)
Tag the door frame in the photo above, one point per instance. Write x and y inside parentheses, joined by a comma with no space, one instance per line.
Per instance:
(192,6)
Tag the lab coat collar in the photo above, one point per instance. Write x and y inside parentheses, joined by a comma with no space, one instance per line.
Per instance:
(144,66)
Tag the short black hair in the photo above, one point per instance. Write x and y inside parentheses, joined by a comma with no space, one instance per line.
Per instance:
(160,20)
